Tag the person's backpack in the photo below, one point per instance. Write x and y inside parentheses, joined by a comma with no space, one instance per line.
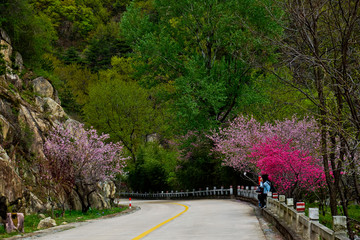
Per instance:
(272,188)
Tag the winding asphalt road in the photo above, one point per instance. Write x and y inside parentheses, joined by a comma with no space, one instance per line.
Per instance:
(171,220)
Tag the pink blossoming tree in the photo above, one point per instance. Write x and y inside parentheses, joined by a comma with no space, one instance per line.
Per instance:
(78,159)
(287,150)
(292,170)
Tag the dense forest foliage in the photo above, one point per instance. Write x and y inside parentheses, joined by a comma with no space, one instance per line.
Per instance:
(137,70)
(162,76)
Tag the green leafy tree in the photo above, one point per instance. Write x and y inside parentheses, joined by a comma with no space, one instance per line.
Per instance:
(31,34)
(103,45)
(71,81)
(71,56)
(75,21)
(78,79)
(119,106)
(204,52)
(274,99)
(204,58)
(154,169)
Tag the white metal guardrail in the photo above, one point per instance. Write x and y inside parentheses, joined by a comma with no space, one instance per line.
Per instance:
(181,194)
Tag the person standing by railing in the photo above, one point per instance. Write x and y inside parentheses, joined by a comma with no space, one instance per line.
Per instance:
(266,185)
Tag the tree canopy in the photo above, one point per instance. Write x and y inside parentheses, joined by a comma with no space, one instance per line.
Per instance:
(205,53)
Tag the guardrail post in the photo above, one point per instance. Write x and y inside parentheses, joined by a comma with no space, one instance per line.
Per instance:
(314,214)
(214,190)
(300,207)
(282,210)
(222,189)
(238,190)
(290,202)
(269,203)
(231,190)
(275,195)
(339,226)
(314,218)
(207,191)
(300,210)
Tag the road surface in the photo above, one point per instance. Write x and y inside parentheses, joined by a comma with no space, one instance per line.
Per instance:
(172,220)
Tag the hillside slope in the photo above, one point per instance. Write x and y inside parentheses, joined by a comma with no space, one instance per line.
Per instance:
(29,107)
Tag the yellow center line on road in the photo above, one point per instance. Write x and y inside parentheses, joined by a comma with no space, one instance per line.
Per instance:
(156,227)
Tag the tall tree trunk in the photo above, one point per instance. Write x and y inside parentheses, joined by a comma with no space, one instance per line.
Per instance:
(319,81)
(356,183)
(84,197)
(324,145)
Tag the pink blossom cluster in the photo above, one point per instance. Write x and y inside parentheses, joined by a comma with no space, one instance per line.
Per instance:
(288,167)
(76,155)
(288,151)
(236,140)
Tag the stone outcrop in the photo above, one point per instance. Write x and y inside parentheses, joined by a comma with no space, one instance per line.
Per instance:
(45,89)
(33,204)
(10,184)
(6,46)
(100,199)
(24,120)
(19,61)
(51,108)
(104,195)
(29,107)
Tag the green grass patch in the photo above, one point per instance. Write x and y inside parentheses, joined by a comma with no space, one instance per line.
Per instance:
(32,221)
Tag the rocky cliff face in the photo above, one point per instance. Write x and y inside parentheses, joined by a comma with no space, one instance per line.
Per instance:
(28,109)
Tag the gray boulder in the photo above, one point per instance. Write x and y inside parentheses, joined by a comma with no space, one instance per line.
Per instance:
(43,87)
(19,61)
(46,223)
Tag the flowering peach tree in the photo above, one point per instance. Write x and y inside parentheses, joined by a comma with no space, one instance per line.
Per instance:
(288,151)
(77,159)
(292,170)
